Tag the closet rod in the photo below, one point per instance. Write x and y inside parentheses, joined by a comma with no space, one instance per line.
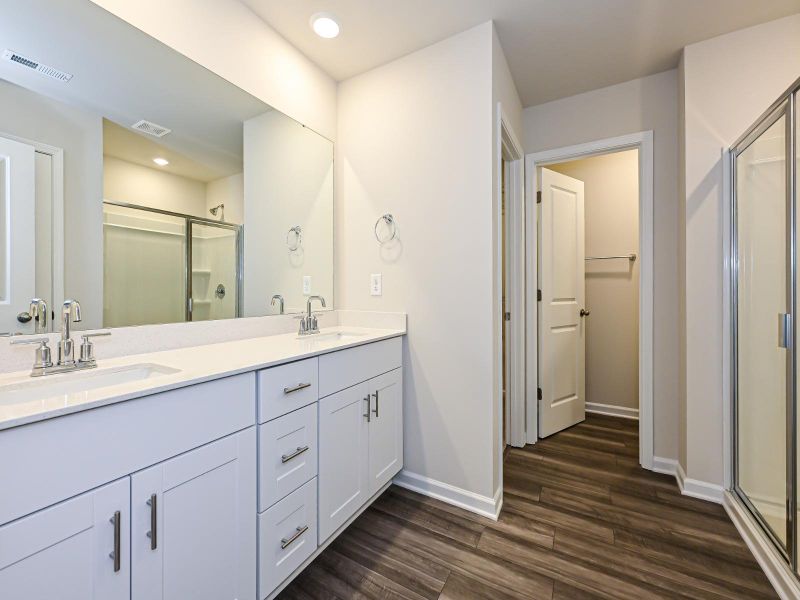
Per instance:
(630,257)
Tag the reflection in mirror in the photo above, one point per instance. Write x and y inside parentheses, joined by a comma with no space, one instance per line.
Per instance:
(145,186)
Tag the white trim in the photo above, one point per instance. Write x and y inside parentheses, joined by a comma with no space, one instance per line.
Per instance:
(771,562)
(695,488)
(482,505)
(613,411)
(667,466)
(642,140)
(727,343)
(57,216)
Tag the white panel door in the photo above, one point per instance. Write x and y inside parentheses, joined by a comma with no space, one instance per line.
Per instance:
(17,239)
(562,332)
(193,524)
(385,428)
(67,551)
(343,458)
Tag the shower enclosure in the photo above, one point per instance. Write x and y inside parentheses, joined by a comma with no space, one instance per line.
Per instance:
(764,164)
(166,267)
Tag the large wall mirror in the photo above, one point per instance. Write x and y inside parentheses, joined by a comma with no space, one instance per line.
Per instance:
(146,187)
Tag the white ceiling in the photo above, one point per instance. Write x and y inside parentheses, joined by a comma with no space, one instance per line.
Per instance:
(555,48)
(125,75)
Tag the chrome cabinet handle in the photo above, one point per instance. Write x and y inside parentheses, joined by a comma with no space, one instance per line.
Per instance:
(368,414)
(286,542)
(376,404)
(153,533)
(116,555)
(297,388)
(287,457)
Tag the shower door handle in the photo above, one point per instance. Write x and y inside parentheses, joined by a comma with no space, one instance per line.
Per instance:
(784,330)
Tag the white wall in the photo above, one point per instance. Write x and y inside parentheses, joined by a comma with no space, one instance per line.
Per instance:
(229,191)
(649,103)
(611,215)
(728,82)
(415,140)
(80,135)
(227,38)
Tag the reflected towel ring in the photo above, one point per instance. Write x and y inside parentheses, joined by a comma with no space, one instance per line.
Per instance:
(294,238)
(391,224)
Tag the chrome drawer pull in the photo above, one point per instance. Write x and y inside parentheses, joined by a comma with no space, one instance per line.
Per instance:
(116,555)
(297,388)
(153,533)
(287,457)
(286,542)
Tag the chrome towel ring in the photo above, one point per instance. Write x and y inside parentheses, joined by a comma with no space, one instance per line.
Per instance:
(391,225)
(294,238)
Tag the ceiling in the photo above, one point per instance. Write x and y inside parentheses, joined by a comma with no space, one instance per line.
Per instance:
(125,75)
(555,48)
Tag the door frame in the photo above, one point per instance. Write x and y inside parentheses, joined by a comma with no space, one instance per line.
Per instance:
(57,217)
(509,149)
(642,141)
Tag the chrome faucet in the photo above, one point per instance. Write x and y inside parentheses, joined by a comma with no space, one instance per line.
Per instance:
(70,311)
(38,312)
(279,299)
(308,323)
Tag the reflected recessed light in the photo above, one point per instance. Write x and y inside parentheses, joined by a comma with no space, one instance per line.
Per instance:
(161,162)
(325,25)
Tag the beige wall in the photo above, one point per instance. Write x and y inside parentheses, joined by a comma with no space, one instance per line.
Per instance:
(230,192)
(227,38)
(415,139)
(649,103)
(611,216)
(728,82)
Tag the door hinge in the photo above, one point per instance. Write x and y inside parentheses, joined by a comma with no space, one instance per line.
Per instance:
(538,295)
(538,197)
(538,393)
(507,316)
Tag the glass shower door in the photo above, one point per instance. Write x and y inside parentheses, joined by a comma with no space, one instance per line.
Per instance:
(214,267)
(763,258)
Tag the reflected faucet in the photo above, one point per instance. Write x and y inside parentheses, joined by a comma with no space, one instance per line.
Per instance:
(71,310)
(38,312)
(279,299)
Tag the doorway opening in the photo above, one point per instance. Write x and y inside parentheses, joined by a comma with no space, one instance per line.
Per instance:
(589,286)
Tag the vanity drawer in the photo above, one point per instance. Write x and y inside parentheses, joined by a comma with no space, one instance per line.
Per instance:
(286,388)
(343,369)
(287,454)
(287,536)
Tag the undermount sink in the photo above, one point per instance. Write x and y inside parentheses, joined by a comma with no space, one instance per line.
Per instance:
(332,336)
(65,384)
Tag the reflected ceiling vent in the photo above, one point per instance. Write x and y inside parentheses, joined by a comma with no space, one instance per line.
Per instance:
(51,72)
(151,128)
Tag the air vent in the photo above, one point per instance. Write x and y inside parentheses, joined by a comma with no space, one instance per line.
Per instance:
(151,128)
(45,70)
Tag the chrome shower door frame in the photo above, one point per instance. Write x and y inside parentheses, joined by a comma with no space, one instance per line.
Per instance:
(784,106)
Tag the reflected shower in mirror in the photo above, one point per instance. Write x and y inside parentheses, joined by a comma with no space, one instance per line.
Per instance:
(144,185)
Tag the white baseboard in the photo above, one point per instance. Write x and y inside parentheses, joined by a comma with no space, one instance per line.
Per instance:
(773,565)
(482,505)
(668,466)
(698,489)
(612,411)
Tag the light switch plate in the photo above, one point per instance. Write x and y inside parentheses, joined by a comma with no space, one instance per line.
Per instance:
(376,284)
(306,285)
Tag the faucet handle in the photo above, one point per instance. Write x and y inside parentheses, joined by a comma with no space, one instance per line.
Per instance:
(43,356)
(87,347)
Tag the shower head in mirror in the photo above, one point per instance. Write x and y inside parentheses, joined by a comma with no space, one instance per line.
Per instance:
(219,209)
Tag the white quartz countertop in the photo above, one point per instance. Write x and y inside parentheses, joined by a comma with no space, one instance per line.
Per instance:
(178,368)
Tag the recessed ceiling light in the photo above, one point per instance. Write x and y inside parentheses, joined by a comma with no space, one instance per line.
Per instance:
(325,25)
(161,162)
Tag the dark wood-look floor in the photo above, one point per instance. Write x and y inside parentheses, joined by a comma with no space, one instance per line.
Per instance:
(580,520)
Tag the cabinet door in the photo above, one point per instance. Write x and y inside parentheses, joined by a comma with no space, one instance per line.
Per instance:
(385,428)
(67,551)
(193,524)
(343,480)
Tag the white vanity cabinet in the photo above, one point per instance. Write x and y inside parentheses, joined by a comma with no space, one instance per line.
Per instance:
(360,429)
(193,524)
(67,551)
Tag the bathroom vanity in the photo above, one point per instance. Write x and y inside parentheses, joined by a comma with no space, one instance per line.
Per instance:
(213,472)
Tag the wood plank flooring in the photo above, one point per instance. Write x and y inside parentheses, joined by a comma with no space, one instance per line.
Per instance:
(580,520)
